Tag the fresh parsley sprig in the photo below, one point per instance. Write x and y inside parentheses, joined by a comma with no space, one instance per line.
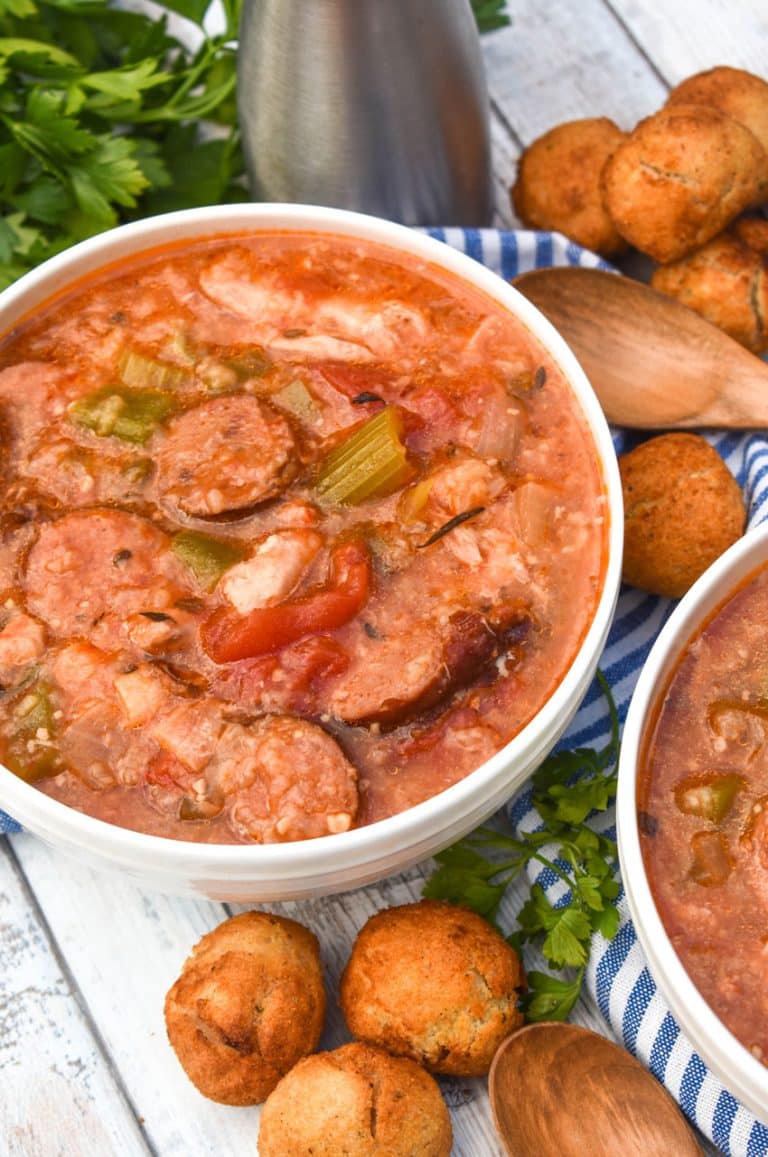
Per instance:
(101,111)
(567,788)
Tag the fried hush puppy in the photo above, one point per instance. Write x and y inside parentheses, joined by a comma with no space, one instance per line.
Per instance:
(682,509)
(433,982)
(737,93)
(558,183)
(680,177)
(357,1101)
(726,281)
(249,1003)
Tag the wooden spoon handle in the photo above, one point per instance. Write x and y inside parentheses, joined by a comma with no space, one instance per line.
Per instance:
(653,363)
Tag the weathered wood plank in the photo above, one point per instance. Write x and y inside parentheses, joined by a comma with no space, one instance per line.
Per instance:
(124,948)
(691,35)
(556,62)
(58,1094)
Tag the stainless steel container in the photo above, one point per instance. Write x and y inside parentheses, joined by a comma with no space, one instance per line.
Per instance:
(374,105)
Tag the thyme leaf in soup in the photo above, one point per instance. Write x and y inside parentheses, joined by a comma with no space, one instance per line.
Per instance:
(568,787)
(450,525)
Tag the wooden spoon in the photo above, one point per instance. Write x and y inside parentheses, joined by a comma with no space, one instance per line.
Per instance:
(653,363)
(559,1090)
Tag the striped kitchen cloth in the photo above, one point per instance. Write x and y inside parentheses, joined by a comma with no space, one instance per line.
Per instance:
(618,977)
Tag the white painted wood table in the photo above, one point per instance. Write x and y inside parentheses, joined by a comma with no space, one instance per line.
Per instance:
(86,959)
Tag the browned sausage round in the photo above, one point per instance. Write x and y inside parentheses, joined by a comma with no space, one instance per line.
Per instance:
(396,677)
(287,779)
(225,455)
(92,570)
(31,394)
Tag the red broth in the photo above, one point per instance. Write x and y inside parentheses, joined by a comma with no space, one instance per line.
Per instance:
(296,533)
(703,796)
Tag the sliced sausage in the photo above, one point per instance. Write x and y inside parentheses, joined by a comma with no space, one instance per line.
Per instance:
(31,394)
(395,678)
(225,455)
(92,570)
(287,779)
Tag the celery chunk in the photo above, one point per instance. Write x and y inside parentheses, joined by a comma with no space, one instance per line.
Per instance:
(132,415)
(709,797)
(207,558)
(371,463)
(30,753)
(140,372)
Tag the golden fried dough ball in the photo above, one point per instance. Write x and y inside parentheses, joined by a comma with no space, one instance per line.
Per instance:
(357,1101)
(558,183)
(739,94)
(680,177)
(682,509)
(433,982)
(249,1003)
(726,281)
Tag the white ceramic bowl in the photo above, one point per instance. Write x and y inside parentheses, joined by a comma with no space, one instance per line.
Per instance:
(739,1071)
(336,862)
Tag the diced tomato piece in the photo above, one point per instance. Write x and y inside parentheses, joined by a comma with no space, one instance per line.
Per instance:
(352,380)
(229,637)
(312,658)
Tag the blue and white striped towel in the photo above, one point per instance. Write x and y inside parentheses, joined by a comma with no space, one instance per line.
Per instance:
(618,977)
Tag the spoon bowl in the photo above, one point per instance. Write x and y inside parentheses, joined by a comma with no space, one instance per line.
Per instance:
(653,363)
(559,1090)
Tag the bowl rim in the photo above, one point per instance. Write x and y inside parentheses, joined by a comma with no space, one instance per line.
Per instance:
(731,1061)
(346,850)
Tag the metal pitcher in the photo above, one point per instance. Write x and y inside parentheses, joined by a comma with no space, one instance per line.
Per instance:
(374,105)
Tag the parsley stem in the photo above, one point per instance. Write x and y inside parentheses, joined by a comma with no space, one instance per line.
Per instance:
(612,749)
(197,69)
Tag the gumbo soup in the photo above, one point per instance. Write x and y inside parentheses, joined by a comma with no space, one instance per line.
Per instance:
(703,800)
(297,531)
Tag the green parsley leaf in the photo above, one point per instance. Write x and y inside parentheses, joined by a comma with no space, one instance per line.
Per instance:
(464,878)
(109,175)
(17,8)
(490,14)
(567,941)
(606,922)
(567,788)
(550,998)
(104,118)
